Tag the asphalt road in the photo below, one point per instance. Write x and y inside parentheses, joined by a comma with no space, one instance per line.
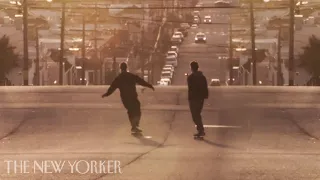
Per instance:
(206,54)
(252,133)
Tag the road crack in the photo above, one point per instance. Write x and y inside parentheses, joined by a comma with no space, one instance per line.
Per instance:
(153,149)
(17,127)
(301,129)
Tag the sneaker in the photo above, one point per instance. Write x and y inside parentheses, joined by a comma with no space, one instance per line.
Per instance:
(200,134)
(136,130)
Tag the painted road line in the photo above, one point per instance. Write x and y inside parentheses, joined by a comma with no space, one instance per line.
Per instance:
(286,105)
(220,126)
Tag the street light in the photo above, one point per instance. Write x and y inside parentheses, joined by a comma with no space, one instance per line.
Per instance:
(62,31)
(253,45)
(291,43)
(230,52)
(25,44)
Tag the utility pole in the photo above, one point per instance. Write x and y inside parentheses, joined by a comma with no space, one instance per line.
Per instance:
(96,43)
(164,8)
(173,9)
(25,44)
(61,70)
(279,72)
(291,44)
(143,56)
(37,58)
(152,68)
(83,49)
(142,43)
(253,45)
(96,40)
(148,60)
(230,53)
(114,63)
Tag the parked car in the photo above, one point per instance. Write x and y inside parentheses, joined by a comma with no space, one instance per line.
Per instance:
(215,82)
(176,40)
(178,33)
(175,49)
(172,60)
(167,74)
(169,66)
(172,53)
(164,82)
(168,69)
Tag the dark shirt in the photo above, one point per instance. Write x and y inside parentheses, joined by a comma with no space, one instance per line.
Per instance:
(197,86)
(126,82)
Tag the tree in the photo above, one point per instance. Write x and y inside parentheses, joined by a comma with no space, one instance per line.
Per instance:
(189,18)
(174,19)
(310,58)
(8,58)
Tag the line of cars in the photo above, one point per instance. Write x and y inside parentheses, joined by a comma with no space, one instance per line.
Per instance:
(171,62)
(172,56)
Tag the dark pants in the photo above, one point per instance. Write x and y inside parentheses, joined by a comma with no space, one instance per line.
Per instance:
(196,106)
(133,110)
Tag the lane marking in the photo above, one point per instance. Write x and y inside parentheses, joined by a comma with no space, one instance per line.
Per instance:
(220,126)
(298,105)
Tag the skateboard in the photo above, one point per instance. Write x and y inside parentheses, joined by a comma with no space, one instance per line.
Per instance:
(198,137)
(137,134)
(140,135)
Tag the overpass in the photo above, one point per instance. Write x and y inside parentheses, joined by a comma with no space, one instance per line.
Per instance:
(252,133)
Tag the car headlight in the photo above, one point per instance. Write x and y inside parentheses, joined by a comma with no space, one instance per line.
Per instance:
(195,38)
(209,20)
(204,38)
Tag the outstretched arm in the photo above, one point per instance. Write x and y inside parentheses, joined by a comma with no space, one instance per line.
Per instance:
(142,82)
(111,89)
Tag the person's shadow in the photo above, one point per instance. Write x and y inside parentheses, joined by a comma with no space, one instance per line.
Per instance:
(218,144)
(147,140)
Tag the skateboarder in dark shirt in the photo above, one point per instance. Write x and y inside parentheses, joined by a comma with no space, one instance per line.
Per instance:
(126,82)
(197,93)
